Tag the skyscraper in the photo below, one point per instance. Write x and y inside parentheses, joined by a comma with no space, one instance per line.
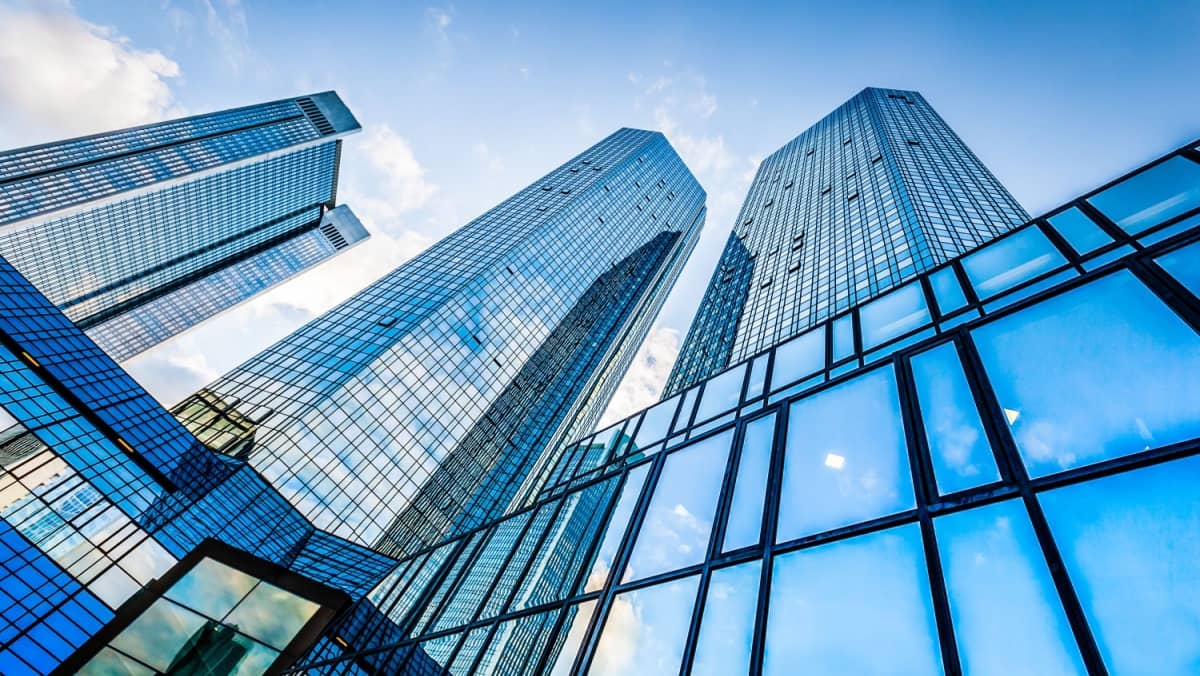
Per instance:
(142,233)
(418,407)
(876,192)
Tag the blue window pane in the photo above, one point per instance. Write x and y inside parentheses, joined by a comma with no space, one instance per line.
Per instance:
(947,290)
(895,314)
(845,460)
(679,519)
(958,446)
(727,625)
(1011,261)
(857,606)
(1152,196)
(996,576)
(1184,265)
(1079,230)
(799,357)
(685,410)
(618,523)
(744,524)
(578,617)
(721,393)
(843,337)
(1097,372)
(758,377)
(656,422)
(1129,544)
(646,630)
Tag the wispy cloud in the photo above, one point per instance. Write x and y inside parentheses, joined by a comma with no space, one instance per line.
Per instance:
(230,32)
(646,377)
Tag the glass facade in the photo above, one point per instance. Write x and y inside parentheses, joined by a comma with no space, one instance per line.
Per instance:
(873,194)
(142,233)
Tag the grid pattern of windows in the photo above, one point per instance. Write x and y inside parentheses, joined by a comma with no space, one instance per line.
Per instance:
(876,192)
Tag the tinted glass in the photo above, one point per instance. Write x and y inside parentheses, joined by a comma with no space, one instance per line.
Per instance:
(727,627)
(758,377)
(743,526)
(646,629)
(211,588)
(158,634)
(958,445)
(1080,231)
(272,615)
(721,393)
(617,524)
(1011,261)
(1184,265)
(575,627)
(799,357)
(1152,196)
(656,422)
(947,290)
(1097,372)
(845,460)
(843,337)
(895,314)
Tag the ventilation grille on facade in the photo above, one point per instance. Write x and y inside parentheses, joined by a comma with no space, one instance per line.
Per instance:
(315,116)
(331,233)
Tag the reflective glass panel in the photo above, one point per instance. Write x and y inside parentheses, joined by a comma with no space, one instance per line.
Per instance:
(798,357)
(947,290)
(758,377)
(679,519)
(727,625)
(743,526)
(721,393)
(1097,372)
(158,634)
(843,337)
(856,606)
(272,615)
(646,630)
(577,620)
(895,314)
(996,576)
(1080,231)
(958,446)
(109,662)
(845,460)
(1011,261)
(1184,265)
(656,422)
(685,409)
(211,588)
(1150,197)
(1130,547)
(618,523)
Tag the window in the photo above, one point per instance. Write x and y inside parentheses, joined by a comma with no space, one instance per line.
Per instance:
(578,617)
(727,625)
(843,337)
(721,393)
(656,422)
(646,629)
(799,357)
(617,525)
(1080,232)
(1011,261)
(743,526)
(1152,196)
(1184,265)
(947,291)
(893,315)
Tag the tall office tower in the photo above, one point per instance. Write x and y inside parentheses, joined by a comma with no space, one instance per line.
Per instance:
(878,191)
(142,233)
(418,407)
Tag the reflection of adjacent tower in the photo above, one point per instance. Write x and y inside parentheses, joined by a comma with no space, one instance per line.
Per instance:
(213,649)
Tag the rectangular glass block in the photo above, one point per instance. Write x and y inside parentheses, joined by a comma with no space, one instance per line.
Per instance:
(799,357)
(1097,372)
(618,523)
(1081,232)
(995,571)
(856,606)
(1184,265)
(947,291)
(796,389)
(743,525)
(845,460)
(843,337)
(958,445)
(727,623)
(656,422)
(661,616)
(1011,261)
(721,393)
(678,522)
(892,315)
(1152,195)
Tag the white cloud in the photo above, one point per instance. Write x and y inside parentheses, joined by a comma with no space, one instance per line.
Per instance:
(229,30)
(395,181)
(646,377)
(63,76)
(703,154)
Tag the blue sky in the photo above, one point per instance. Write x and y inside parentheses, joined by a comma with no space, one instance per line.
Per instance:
(463,104)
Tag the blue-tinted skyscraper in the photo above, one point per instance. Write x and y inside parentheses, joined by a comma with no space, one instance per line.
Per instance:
(142,233)
(876,192)
(418,407)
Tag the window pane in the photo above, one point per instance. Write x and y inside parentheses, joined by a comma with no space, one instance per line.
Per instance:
(578,617)
(678,522)
(211,588)
(109,662)
(685,410)
(617,525)
(656,422)
(845,460)
(743,527)
(996,577)
(947,290)
(1148,198)
(1097,372)
(857,606)
(158,634)
(727,625)
(646,630)
(1184,265)
(758,377)
(1011,261)
(721,393)
(897,313)
(272,615)
(843,337)
(1129,544)
(958,445)
(1079,230)
(799,357)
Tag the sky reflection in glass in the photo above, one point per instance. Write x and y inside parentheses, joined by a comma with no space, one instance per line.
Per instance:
(743,526)
(722,393)
(857,606)
(578,617)
(727,626)
(947,291)
(895,314)
(657,422)
(646,629)
(799,357)
(1011,261)
(1131,385)
(845,460)
(617,525)
(156,636)
(1150,197)
(1184,265)
(1080,231)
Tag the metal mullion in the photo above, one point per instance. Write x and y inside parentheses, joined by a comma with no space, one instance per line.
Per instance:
(1174,295)
(771,502)
(1061,244)
(1105,224)
(541,540)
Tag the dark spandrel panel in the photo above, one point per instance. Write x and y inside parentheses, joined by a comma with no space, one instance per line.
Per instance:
(618,523)
(845,460)
(799,357)
(996,576)
(958,445)
(646,629)
(566,649)
(1127,387)
(857,606)
(1011,261)
(1081,232)
(893,315)
(1152,196)
(678,523)
(1129,545)
(947,291)
(727,625)
(743,525)
(1184,265)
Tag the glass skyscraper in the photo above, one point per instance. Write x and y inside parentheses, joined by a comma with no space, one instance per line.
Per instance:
(142,233)
(878,191)
(417,408)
